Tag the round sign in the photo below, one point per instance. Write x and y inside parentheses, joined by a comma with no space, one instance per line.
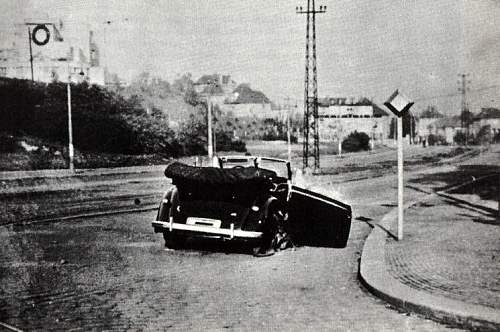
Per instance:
(41,35)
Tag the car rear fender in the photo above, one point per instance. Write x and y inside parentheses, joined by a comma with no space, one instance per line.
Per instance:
(166,204)
(268,205)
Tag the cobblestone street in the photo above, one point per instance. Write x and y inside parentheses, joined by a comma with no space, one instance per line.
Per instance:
(113,274)
(467,268)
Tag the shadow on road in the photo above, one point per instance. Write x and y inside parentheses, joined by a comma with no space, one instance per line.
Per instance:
(486,189)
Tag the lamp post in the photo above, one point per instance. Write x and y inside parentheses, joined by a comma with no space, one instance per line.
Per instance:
(210,138)
(209,128)
(71,152)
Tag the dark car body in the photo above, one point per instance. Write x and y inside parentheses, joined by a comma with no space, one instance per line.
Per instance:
(242,200)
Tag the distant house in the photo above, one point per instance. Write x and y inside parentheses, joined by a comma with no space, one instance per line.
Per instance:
(340,116)
(424,122)
(215,84)
(446,127)
(246,102)
(487,117)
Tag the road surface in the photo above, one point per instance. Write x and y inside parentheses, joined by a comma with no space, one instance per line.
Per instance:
(113,273)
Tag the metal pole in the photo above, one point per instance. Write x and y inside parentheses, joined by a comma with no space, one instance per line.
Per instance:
(339,136)
(70,129)
(209,116)
(288,134)
(214,137)
(400,178)
(31,54)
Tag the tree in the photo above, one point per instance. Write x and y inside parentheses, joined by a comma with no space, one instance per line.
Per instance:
(484,135)
(459,138)
(409,124)
(356,141)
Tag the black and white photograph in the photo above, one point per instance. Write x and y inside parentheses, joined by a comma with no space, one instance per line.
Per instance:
(230,165)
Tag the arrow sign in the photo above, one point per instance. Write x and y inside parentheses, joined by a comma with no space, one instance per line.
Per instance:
(398,103)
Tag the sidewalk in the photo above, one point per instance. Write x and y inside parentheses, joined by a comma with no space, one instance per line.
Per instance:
(447,267)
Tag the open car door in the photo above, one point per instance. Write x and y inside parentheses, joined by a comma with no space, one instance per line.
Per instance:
(317,220)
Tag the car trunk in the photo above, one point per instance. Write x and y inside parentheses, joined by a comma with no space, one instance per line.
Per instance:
(230,204)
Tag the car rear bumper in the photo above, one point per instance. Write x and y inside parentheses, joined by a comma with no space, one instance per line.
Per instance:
(199,230)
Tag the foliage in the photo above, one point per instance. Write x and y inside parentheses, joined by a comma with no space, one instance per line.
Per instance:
(496,138)
(483,136)
(431,112)
(459,138)
(253,128)
(193,133)
(103,121)
(436,140)
(409,125)
(8,143)
(356,141)
(247,95)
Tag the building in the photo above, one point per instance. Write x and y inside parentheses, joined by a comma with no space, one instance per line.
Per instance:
(446,127)
(434,123)
(488,118)
(61,59)
(424,123)
(338,117)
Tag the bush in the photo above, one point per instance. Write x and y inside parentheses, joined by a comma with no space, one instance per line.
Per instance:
(356,141)
(8,143)
(193,134)
(496,138)
(483,136)
(459,138)
(103,121)
(436,140)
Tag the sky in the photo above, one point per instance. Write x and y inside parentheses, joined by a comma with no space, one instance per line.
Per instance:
(364,47)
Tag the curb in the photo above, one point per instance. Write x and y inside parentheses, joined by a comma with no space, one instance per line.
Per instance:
(373,274)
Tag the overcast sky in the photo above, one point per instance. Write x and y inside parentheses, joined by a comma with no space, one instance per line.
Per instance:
(364,47)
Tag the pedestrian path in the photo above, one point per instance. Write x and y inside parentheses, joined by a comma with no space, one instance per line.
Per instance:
(449,250)
(447,266)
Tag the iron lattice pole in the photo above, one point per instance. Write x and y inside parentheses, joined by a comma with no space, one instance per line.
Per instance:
(463,116)
(311,123)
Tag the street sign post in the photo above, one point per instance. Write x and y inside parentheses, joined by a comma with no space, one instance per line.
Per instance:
(399,104)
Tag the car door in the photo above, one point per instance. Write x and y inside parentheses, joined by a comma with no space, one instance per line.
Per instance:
(317,220)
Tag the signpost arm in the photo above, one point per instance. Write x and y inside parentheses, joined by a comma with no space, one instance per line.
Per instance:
(400,178)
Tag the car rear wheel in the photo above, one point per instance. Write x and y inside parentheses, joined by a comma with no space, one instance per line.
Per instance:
(265,246)
(173,241)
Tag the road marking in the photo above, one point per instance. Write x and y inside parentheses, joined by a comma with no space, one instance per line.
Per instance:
(10,327)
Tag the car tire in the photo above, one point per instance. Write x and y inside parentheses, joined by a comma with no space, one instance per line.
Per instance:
(265,246)
(173,241)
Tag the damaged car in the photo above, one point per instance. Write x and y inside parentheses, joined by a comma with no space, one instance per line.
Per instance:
(251,200)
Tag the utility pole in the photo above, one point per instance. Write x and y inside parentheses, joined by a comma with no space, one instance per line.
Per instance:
(288,129)
(31,54)
(311,130)
(463,90)
(71,151)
